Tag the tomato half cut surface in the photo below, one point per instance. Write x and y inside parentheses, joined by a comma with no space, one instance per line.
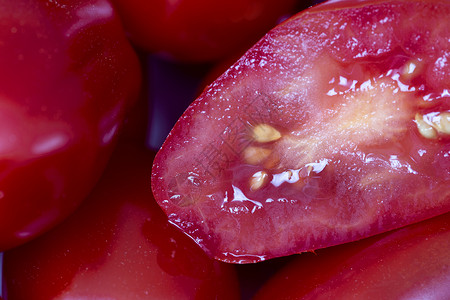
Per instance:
(332,128)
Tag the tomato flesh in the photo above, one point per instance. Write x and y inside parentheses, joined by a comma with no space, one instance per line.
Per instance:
(332,128)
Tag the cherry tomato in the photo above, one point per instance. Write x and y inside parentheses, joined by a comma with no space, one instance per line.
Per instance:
(200,30)
(117,245)
(67,76)
(334,127)
(410,263)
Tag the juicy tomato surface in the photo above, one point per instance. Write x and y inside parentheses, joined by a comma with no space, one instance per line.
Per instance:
(117,245)
(67,77)
(410,263)
(200,30)
(332,128)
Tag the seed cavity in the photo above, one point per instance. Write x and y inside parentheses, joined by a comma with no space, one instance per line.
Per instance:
(258,180)
(264,133)
(256,155)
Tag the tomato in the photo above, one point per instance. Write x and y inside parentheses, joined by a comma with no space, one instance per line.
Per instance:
(332,128)
(200,30)
(67,77)
(410,263)
(117,245)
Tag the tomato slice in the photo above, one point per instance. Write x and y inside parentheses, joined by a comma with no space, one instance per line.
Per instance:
(334,127)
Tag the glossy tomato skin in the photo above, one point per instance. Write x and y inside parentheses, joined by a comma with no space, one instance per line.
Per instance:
(317,135)
(200,30)
(409,263)
(117,245)
(67,77)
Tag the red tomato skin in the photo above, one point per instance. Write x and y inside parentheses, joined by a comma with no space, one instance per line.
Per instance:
(117,245)
(200,30)
(68,75)
(197,173)
(409,263)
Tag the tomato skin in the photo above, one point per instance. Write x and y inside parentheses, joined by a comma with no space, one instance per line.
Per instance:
(200,30)
(409,263)
(68,75)
(117,245)
(355,177)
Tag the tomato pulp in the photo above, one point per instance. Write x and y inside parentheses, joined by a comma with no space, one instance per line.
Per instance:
(67,77)
(332,128)
(117,245)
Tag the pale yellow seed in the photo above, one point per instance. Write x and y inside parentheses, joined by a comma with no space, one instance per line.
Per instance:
(425,129)
(256,155)
(305,172)
(258,180)
(442,123)
(264,133)
(289,174)
(411,69)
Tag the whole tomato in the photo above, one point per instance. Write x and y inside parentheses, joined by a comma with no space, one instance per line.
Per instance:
(117,245)
(409,263)
(67,77)
(200,30)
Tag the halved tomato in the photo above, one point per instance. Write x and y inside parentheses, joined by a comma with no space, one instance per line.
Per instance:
(332,128)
